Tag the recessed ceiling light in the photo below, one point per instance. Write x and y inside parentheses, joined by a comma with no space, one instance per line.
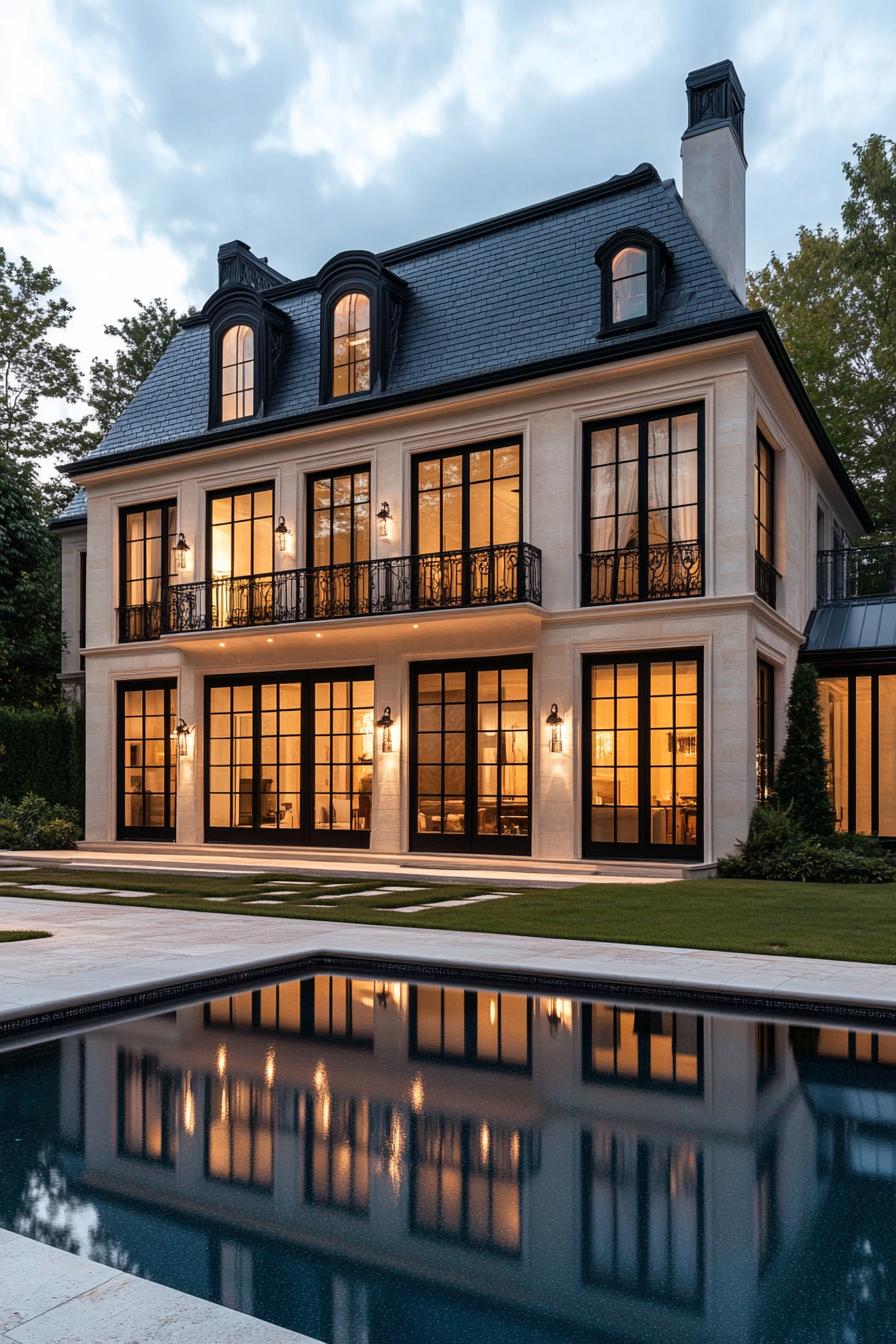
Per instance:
(416,625)
(270,639)
(317,635)
(220,643)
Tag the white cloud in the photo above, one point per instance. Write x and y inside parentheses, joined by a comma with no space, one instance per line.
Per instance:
(345,110)
(824,68)
(238,47)
(59,201)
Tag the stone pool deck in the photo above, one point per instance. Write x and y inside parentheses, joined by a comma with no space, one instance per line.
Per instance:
(98,952)
(49,1296)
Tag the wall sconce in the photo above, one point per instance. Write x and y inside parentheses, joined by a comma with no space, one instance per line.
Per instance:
(385,722)
(383,996)
(555,722)
(281,531)
(181,732)
(181,552)
(385,518)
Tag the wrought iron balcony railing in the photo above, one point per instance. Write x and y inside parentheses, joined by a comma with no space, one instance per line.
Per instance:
(670,569)
(856,571)
(766,584)
(483,577)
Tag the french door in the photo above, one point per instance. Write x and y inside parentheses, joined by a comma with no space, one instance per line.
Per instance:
(470,758)
(339,542)
(147,760)
(240,556)
(467,524)
(642,732)
(290,758)
(146,568)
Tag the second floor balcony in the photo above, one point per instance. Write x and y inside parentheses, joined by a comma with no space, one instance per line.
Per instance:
(856,572)
(486,576)
(669,569)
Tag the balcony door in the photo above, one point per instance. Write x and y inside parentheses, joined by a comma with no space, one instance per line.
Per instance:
(643,493)
(290,758)
(339,542)
(240,556)
(470,758)
(147,760)
(146,568)
(467,525)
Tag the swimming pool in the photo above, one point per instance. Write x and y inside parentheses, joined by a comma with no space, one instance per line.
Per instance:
(376,1160)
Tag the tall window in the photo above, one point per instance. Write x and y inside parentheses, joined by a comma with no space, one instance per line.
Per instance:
(472,1027)
(351,345)
(466,1182)
(643,522)
(240,555)
(239,1145)
(237,373)
(765,728)
(147,566)
(147,1109)
(648,1048)
(470,757)
(643,755)
(339,542)
(859,722)
(337,1151)
(147,760)
(629,278)
(467,500)
(764,521)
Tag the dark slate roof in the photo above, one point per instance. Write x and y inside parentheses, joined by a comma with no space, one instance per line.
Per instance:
(517,290)
(74,512)
(865,623)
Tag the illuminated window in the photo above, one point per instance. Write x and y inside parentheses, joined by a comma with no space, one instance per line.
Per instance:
(148,565)
(337,1153)
(351,345)
(629,278)
(858,715)
(765,729)
(478,1027)
(147,1109)
(633,267)
(646,1048)
(466,1182)
(147,763)
(240,1133)
(237,373)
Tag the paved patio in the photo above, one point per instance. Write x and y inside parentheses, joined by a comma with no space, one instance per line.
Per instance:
(98,951)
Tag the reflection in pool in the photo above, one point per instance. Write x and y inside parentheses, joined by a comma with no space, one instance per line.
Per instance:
(374,1161)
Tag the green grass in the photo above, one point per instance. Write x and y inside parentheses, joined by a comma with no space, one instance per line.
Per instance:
(19,935)
(853,923)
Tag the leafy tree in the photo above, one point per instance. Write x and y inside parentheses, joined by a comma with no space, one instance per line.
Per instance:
(30,636)
(801,777)
(834,303)
(35,367)
(144,338)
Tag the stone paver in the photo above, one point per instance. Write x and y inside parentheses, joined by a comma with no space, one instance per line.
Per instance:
(49,1296)
(101,950)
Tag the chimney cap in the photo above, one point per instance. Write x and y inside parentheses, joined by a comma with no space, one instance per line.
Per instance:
(238,265)
(715,98)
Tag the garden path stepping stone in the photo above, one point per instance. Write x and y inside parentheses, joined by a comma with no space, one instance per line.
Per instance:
(444,905)
(61,890)
(374,891)
(262,902)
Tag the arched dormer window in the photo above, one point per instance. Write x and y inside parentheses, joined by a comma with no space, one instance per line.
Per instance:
(237,372)
(633,267)
(351,344)
(360,307)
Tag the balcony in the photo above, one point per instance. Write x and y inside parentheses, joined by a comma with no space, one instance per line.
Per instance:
(859,571)
(670,569)
(487,576)
(766,581)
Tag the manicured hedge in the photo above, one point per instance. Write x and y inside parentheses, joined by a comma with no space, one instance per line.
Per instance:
(42,752)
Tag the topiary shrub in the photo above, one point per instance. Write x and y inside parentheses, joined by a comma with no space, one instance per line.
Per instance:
(801,775)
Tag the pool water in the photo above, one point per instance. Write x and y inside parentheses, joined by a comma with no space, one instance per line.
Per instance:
(378,1162)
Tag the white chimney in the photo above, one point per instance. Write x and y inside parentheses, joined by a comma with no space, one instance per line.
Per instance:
(714,168)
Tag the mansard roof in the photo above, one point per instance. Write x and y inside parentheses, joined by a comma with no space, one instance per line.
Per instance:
(518,290)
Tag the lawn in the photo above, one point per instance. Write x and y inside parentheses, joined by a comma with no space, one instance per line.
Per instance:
(854,923)
(19,935)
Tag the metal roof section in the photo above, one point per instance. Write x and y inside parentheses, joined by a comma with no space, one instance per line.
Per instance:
(857,624)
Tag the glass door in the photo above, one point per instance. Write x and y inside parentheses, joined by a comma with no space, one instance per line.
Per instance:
(147,760)
(146,568)
(470,758)
(290,758)
(467,525)
(240,556)
(339,543)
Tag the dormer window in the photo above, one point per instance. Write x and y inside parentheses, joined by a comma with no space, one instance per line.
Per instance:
(237,372)
(351,345)
(633,267)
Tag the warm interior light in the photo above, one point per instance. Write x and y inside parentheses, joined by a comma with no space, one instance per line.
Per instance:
(221,1061)
(417,1094)
(181,733)
(189,1106)
(270,1066)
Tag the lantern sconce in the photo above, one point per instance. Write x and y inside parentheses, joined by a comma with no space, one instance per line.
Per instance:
(181,552)
(281,532)
(385,722)
(383,996)
(182,732)
(555,722)
(385,519)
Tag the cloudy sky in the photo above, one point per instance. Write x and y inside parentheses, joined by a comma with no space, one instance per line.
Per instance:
(136,135)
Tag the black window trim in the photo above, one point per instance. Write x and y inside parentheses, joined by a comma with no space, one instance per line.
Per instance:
(465,452)
(659,261)
(123,832)
(469,1059)
(240,305)
(643,1081)
(230,492)
(125,512)
(327,474)
(643,849)
(360,272)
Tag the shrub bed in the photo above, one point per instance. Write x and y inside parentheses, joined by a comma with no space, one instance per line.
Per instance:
(35,823)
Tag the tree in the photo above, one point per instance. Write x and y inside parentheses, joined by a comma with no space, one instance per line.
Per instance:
(30,637)
(834,302)
(34,367)
(144,337)
(801,777)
